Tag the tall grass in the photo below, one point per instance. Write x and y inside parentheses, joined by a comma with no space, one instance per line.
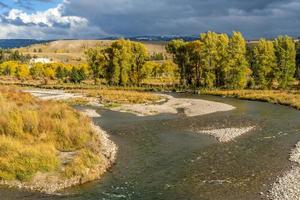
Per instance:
(283,97)
(33,133)
(120,96)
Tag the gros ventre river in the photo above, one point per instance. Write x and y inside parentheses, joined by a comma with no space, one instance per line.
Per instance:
(163,156)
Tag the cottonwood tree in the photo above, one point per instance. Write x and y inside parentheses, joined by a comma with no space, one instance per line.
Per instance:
(209,51)
(297,75)
(285,52)
(236,77)
(180,56)
(96,60)
(264,63)
(194,70)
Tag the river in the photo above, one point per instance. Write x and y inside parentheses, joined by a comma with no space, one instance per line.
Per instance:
(163,157)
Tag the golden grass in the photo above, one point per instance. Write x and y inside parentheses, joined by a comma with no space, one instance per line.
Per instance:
(33,133)
(72,51)
(108,96)
(283,97)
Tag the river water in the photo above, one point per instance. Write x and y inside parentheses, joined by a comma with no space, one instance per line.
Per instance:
(163,157)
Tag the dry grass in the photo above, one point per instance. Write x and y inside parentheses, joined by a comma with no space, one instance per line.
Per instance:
(283,97)
(72,51)
(33,133)
(112,96)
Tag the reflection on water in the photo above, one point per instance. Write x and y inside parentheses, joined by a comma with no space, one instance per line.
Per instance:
(162,157)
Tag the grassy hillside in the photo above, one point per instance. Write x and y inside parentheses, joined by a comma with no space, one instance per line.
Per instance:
(72,51)
(48,138)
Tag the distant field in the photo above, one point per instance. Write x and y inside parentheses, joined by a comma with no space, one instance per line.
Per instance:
(72,51)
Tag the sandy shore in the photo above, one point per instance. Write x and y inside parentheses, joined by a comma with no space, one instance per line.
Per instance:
(227,134)
(287,187)
(191,107)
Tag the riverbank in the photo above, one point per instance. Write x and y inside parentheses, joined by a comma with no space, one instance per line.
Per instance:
(282,97)
(153,104)
(171,105)
(48,146)
(288,186)
(52,183)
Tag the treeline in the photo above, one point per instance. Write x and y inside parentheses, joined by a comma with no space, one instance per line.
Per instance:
(217,60)
(126,63)
(39,71)
(123,63)
(13,55)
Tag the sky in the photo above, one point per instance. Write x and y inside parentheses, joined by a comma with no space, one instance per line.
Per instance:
(90,19)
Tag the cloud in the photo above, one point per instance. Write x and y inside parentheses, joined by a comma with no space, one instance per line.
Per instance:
(98,18)
(254,18)
(49,24)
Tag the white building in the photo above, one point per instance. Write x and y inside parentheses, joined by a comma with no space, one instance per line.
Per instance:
(40,60)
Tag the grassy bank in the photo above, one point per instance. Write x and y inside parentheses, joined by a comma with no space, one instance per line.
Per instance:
(44,137)
(283,97)
(114,96)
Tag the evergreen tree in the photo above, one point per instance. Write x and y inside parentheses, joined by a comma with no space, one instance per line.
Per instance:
(264,63)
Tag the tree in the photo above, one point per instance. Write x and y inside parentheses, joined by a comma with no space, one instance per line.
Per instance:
(119,62)
(22,71)
(209,52)
(61,72)
(180,56)
(8,68)
(298,60)
(238,71)
(222,59)
(37,71)
(264,63)
(194,70)
(77,75)
(139,58)
(285,52)
(96,60)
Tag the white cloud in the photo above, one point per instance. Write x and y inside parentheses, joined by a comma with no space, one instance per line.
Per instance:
(50,17)
(48,24)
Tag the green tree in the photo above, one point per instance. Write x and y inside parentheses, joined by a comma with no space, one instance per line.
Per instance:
(61,73)
(285,52)
(237,74)
(97,60)
(264,63)
(77,75)
(139,58)
(180,56)
(298,60)
(222,59)
(209,52)
(194,70)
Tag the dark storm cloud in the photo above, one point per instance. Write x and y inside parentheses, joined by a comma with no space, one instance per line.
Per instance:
(254,18)
(98,18)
